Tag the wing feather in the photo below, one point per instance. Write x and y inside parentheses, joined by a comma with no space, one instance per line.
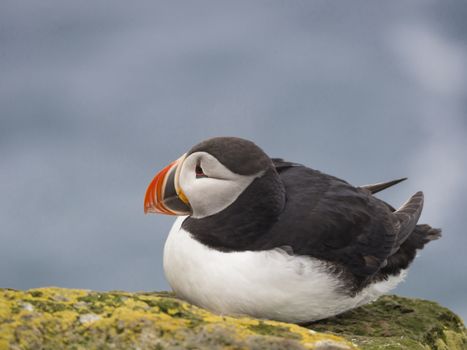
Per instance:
(375,188)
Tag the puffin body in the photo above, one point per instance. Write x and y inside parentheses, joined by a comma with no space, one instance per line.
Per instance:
(277,240)
(267,284)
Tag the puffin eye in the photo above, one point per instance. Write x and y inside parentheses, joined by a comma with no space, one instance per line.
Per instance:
(199,172)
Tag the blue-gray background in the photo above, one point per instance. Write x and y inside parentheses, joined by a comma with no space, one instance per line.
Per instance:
(95,97)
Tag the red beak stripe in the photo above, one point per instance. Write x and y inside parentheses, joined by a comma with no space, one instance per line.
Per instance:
(154,193)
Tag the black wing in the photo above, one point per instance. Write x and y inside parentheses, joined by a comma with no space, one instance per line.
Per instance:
(327,218)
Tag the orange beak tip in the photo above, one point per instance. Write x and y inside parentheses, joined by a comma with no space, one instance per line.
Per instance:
(156,200)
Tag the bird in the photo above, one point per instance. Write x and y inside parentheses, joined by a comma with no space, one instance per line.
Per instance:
(274,239)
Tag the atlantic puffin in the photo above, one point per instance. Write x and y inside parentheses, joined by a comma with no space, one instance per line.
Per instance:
(274,239)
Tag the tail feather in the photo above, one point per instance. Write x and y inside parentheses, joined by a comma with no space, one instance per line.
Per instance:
(408,215)
(400,260)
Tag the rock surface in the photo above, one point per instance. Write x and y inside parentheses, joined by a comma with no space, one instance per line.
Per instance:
(394,322)
(55,318)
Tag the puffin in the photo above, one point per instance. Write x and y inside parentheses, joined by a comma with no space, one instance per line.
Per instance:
(273,239)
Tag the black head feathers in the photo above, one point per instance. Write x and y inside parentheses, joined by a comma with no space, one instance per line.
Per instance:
(240,156)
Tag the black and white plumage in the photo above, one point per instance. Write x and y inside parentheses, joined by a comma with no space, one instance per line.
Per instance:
(275,239)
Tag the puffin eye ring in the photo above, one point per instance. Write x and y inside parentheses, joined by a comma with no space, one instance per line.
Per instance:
(199,172)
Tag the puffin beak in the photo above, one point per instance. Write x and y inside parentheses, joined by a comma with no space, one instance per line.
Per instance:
(164,194)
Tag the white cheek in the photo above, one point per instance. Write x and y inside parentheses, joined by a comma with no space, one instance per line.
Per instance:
(209,196)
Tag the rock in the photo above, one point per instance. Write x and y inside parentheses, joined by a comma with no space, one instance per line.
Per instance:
(394,322)
(55,318)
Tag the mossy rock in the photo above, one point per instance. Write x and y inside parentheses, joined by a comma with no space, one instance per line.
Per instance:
(394,322)
(54,318)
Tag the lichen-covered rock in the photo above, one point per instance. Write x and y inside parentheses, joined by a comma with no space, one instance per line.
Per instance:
(394,323)
(54,318)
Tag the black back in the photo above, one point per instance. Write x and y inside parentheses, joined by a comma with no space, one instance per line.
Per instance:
(312,214)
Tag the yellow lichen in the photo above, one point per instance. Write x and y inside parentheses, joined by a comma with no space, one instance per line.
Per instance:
(55,318)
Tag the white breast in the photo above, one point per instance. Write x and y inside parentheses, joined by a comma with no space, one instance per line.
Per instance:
(265,284)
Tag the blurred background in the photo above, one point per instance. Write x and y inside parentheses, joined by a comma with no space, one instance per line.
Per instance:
(97,96)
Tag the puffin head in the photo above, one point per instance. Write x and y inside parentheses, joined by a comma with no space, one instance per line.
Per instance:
(208,178)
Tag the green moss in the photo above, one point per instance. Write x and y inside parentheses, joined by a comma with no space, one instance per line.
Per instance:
(170,306)
(165,305)
(97,302)
(277,331)
(47,306)
(405,323)
(110,299)
(35,293)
